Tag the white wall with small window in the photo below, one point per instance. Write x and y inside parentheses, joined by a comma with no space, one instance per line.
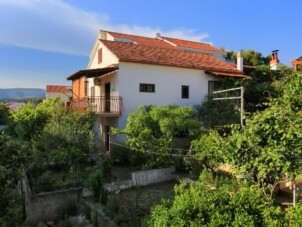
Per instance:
(101,57)
(145,84)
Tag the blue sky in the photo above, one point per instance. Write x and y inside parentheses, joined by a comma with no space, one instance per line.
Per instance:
(44,41)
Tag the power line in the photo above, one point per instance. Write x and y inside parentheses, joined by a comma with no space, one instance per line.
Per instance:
(158,153)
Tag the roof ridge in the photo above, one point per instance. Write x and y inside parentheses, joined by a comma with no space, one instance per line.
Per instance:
(188,41)
(160,47)
(129,34)
(156,38)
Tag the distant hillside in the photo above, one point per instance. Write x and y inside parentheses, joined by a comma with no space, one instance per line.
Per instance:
(16,93)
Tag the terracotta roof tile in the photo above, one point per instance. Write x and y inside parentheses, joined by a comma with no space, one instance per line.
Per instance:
(142,40)
(191,44)
(169,57)
(56,88)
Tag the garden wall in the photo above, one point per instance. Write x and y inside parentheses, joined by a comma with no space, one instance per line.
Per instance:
(142,178)
(48,205)
(103,219)
(152,176)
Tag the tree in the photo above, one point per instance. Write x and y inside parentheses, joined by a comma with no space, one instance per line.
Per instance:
(213,113)
(66,140)
(226,204)
(12,159)
(270,144)
(263,85)
(153,129)
(4,114)
(250,57)
(29,121)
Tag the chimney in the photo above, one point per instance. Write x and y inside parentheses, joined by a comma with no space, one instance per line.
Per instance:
(240,61)
(274,63)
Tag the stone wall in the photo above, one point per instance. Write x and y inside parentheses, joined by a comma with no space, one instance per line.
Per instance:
(142,178)
(103,219)
(48,205)
(119,185)
(152,176)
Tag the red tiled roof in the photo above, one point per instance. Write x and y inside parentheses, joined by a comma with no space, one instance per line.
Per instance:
(169,57)
(142,40)
(57,88)
(89,73)
(191,44)
(224,74)
(245,66)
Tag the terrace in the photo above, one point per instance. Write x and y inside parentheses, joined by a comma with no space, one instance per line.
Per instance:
(106,106)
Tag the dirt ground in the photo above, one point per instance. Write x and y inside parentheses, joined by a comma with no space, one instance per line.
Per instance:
(131,205)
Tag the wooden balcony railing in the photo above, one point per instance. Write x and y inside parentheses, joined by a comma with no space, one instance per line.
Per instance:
(112,105)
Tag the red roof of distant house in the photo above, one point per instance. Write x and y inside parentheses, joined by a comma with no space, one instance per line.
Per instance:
(170,57)
(191,44)
(142,40)
(57,88)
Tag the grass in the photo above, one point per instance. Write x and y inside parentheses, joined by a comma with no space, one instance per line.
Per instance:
(53,180)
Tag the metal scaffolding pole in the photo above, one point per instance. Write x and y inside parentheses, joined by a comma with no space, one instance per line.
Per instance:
(234,97)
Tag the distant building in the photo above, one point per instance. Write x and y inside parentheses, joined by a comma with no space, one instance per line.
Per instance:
(274,62)
(53,91)
(14,105)
(297,64)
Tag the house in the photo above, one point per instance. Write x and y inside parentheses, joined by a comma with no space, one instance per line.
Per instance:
(297,64)
(53,91)
(126,71)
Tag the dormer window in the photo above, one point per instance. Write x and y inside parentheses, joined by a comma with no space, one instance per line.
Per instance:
(100,55)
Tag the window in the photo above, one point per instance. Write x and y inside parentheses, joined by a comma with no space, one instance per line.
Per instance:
(147,87)
(100,56)
(184,91)
(213,86)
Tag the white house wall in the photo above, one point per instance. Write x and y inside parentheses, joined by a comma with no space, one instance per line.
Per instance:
(100,89)
(53,95)
(107,59)
(168,85)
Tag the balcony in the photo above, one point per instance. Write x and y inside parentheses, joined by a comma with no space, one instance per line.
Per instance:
(101,105)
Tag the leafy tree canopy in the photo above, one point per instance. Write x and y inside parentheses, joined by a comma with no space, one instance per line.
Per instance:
(270,144)
(153,124)
(30,121)
(250,57)
(225,204)
(4,114)
(12,159)
(153,129)
(66,140)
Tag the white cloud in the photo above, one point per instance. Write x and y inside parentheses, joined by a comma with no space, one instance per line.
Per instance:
(53,25)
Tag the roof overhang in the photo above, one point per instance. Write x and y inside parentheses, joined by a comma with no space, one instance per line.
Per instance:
(217,73)
(91,73)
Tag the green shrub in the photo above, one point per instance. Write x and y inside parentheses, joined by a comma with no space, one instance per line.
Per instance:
(120,155)
(294,215)
(202,205)
(71,207)
(86,211)
(95,184)
(95,221)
